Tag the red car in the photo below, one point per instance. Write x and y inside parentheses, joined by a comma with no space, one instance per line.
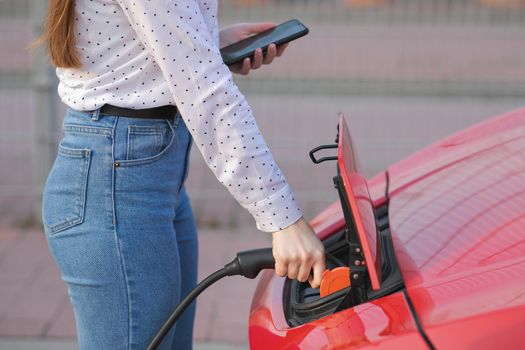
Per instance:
(435,247)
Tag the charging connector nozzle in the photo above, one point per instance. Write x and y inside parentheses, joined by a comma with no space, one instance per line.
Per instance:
(249,263)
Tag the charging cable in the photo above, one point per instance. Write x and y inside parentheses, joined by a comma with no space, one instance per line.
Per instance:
(248,264)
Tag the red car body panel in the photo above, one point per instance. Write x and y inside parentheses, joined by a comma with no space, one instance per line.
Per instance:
(386,322)
(457,217)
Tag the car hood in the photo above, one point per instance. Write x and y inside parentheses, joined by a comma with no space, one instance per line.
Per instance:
(457,217)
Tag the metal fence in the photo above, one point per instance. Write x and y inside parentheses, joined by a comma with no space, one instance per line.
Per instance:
(406,72)
(411,47)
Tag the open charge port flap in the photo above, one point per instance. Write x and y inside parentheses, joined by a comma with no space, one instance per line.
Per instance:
(364,246)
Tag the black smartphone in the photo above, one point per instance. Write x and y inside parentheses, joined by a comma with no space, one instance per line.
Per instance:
(278,35)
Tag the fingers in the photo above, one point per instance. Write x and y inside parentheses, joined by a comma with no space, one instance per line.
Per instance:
(280,49)
(293,270)
(297,251)
(281,265)
(318,269)
(280,268)
(257,59)
(246,65)
(304,270)
(300,270)
(309,267)
(271,53)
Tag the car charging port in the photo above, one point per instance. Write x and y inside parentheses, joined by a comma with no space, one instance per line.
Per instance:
(303,304)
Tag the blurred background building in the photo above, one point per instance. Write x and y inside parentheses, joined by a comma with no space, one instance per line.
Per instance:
(404,72)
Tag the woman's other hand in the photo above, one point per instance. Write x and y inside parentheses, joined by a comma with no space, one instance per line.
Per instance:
(297,250)
(239,31)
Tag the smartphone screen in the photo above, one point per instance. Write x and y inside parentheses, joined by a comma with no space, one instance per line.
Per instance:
(278,35)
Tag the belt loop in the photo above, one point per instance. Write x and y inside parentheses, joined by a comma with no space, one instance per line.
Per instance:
(96,114)
(176,119)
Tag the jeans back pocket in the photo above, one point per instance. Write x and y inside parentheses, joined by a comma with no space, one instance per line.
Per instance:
(64,197)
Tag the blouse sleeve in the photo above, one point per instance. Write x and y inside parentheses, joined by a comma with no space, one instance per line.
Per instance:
(216,113)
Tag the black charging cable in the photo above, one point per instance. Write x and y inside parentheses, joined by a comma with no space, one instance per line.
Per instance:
(248,264)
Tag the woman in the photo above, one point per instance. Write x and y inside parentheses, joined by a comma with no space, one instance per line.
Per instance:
(140,76)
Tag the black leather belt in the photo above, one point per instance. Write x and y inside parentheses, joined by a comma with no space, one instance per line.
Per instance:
(162,112)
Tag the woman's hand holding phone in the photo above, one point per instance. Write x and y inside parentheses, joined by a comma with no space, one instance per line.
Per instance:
(240,31)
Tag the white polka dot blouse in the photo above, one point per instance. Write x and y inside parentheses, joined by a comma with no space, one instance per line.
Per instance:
(149,53)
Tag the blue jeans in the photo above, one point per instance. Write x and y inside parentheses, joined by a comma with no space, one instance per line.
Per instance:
(120,226)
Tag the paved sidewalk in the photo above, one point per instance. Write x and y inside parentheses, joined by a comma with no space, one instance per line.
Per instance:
(50,344)
(35,312)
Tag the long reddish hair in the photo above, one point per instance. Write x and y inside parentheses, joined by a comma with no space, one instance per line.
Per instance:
(59,34)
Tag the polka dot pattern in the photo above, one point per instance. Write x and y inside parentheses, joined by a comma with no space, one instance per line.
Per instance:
(148,53)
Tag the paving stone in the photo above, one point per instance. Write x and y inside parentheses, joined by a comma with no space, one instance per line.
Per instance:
(21,327)
(8,293)
(63,324)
